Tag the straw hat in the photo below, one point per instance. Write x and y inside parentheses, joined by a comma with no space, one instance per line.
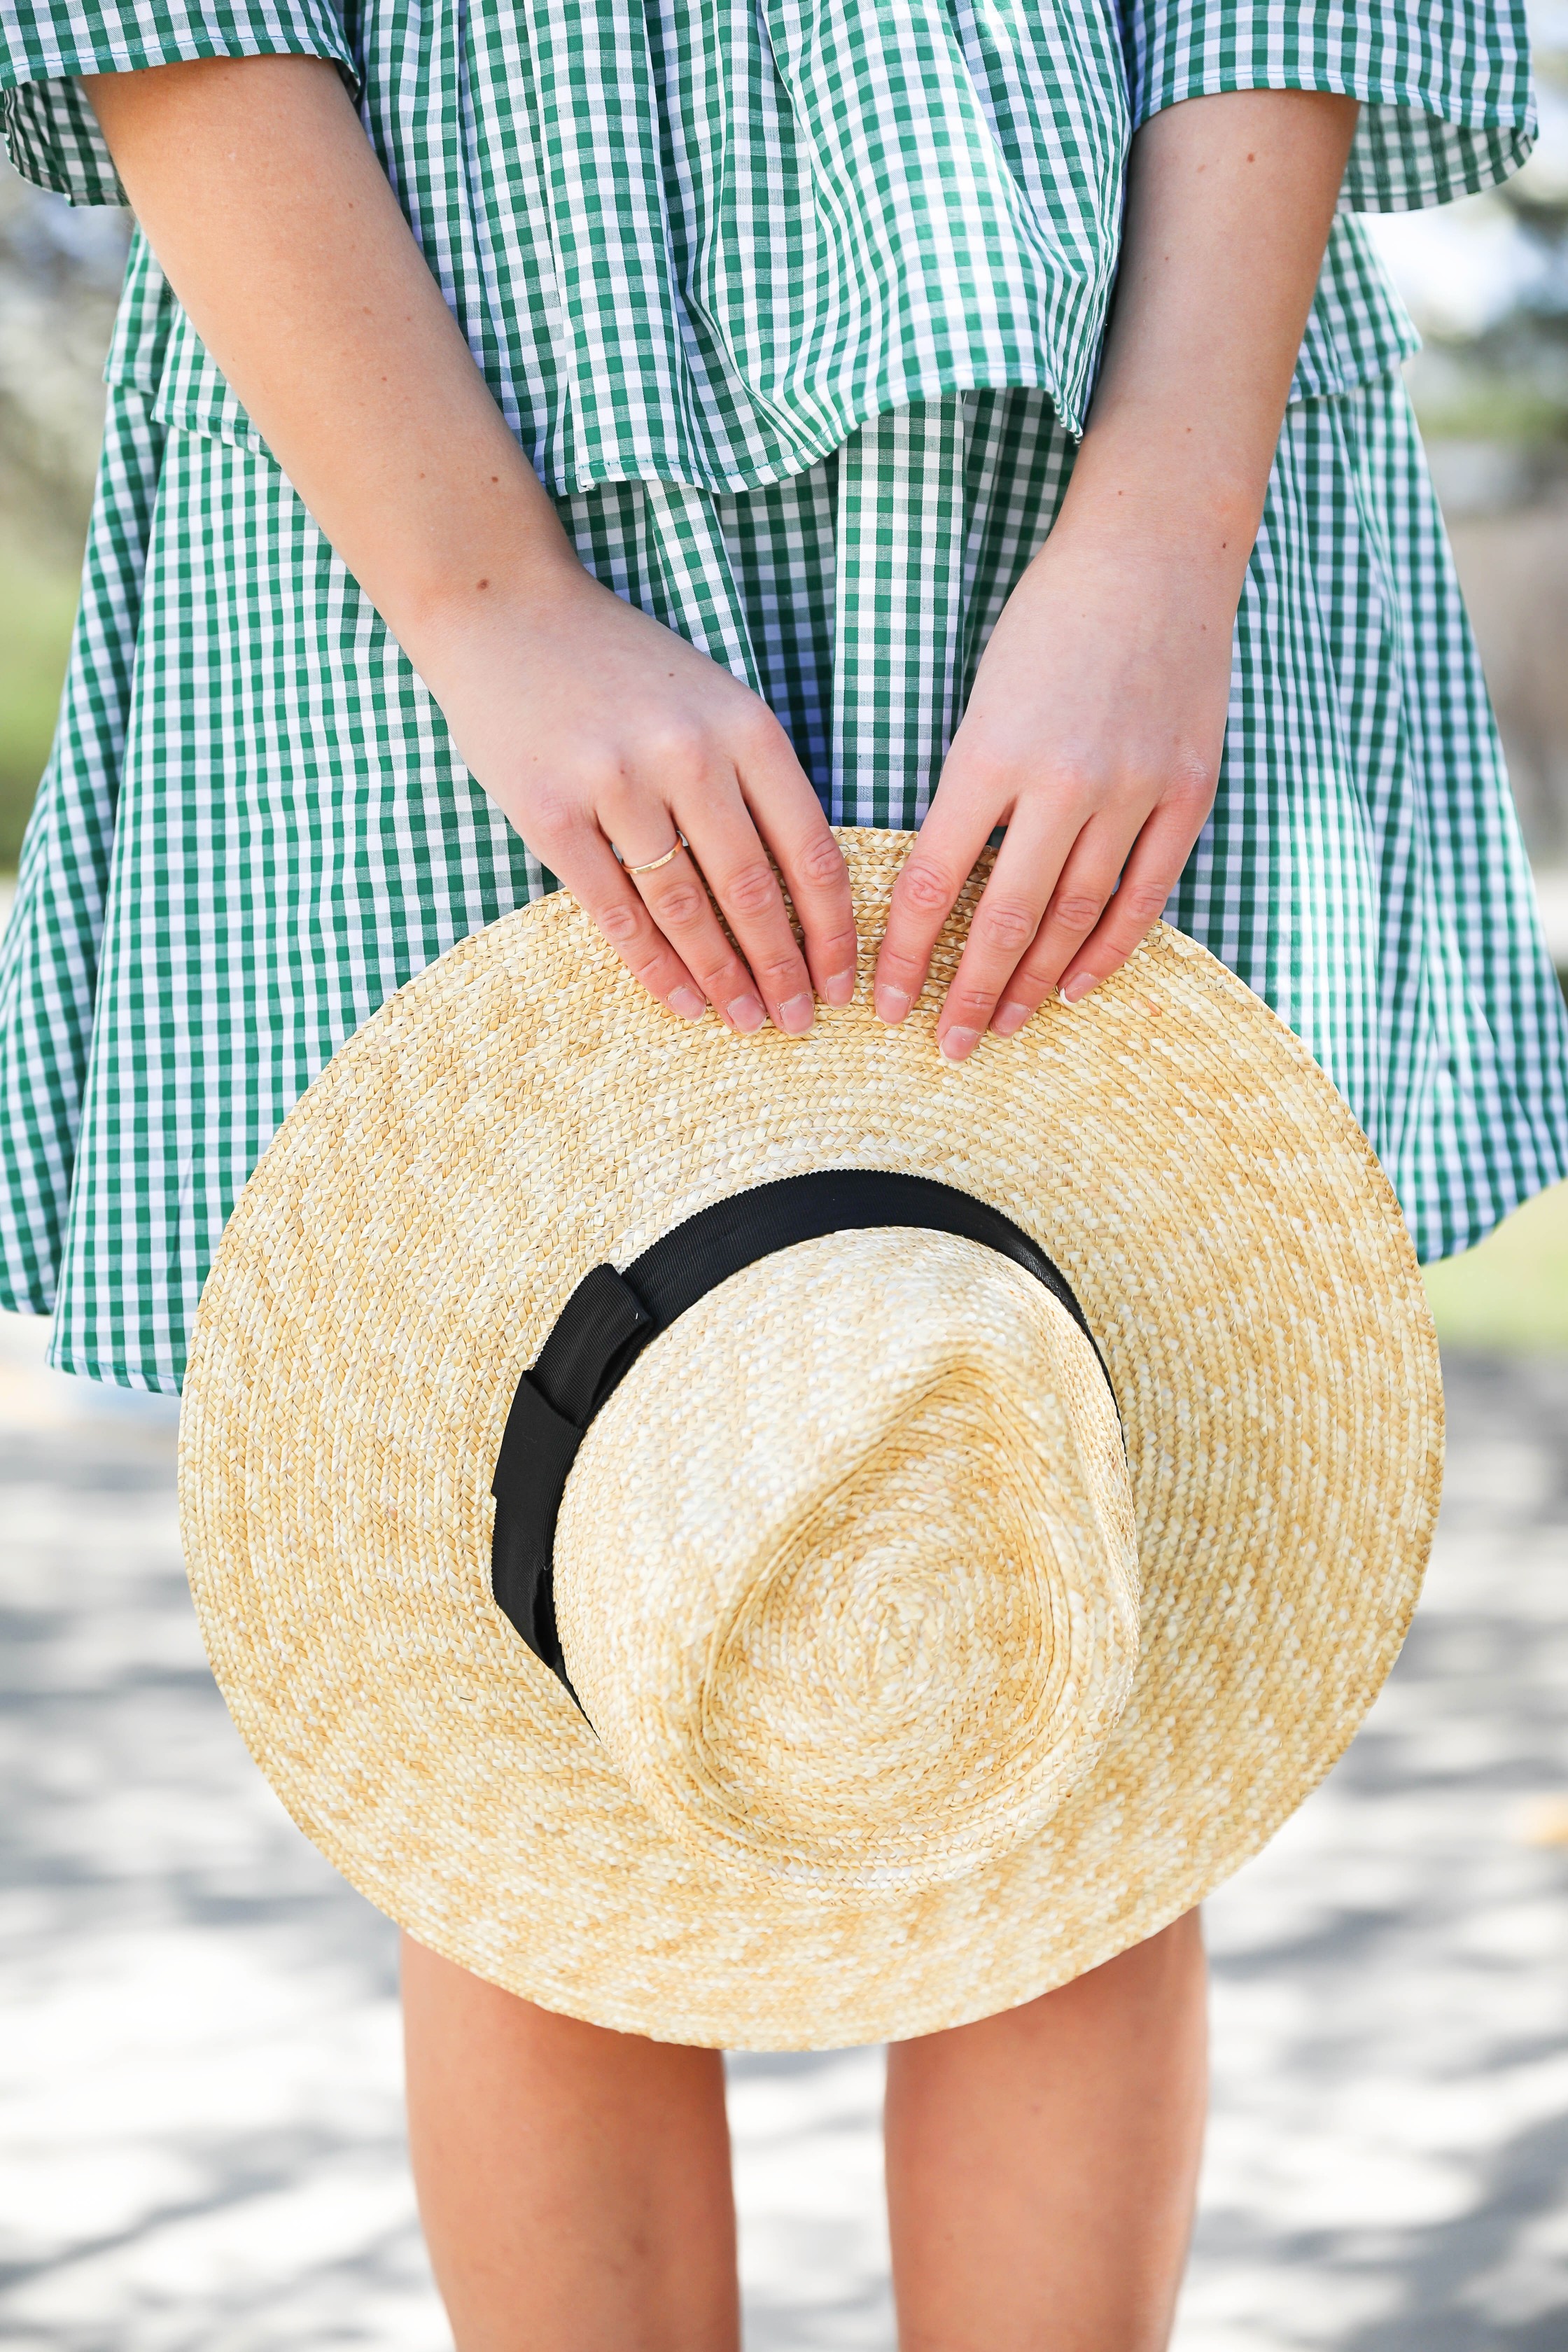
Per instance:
(1008,1490)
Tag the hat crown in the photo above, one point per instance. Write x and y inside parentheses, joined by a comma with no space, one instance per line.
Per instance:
(846,1573)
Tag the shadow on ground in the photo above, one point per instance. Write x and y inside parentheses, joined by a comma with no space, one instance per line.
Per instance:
(201,2146)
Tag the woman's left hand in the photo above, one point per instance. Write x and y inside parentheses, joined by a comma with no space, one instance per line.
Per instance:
(1093,734)
(1096,724)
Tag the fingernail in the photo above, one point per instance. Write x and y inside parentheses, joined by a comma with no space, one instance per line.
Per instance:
(1009,1020)
(891,1004)
(688,1004)
(955,1043)
(839,991)
(1076,986)
(795,1015)
(746,1014)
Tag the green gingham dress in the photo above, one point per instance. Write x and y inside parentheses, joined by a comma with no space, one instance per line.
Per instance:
(796,305)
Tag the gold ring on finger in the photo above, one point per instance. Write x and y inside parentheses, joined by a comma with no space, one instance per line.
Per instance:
(652,864)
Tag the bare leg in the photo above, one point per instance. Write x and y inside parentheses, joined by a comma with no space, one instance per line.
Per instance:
(573,2183)
(1042,2165)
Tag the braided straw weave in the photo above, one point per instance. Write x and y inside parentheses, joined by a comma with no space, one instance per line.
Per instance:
(913,1694)
(849,1595)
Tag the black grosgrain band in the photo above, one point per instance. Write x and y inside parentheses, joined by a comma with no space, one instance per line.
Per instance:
(610,1317)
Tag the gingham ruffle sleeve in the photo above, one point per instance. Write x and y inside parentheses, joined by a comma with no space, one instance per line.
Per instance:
(51,131)
(1446,107)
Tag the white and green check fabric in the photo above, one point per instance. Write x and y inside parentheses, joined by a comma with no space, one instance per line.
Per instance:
(702,240)
(797,310)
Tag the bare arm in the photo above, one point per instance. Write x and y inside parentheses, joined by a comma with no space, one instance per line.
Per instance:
(1095,729)
(586,721)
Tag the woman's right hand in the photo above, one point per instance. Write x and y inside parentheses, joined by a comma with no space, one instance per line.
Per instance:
(586,721)
(590,724)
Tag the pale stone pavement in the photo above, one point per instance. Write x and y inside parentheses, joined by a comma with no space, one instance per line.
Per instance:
(199,2123)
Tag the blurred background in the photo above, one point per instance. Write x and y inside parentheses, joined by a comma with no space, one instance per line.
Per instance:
(200,2149)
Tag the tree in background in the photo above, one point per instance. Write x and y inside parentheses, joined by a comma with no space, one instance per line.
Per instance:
(1488,283)
(59,277)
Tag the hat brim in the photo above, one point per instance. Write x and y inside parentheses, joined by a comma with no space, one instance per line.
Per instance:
(522,1112)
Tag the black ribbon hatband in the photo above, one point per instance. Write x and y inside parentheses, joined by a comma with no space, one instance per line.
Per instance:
(610,1317)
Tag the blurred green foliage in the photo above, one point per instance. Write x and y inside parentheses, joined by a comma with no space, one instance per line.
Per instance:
(1510,1293)
(37,605)
(61,268)
(1509,382)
